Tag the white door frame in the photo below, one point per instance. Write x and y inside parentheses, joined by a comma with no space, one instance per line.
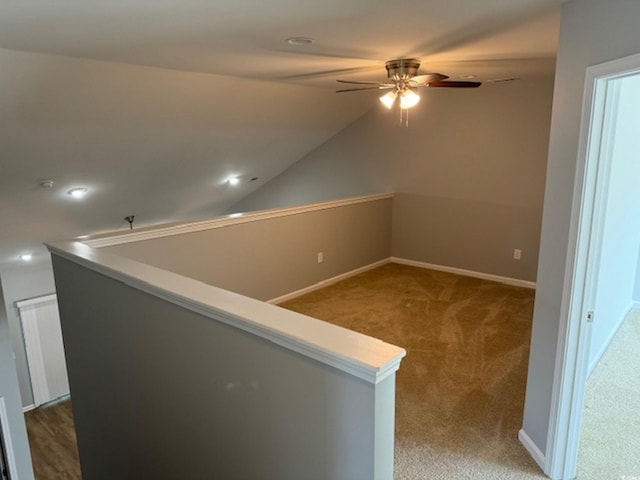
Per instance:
(48,375)
(583,254)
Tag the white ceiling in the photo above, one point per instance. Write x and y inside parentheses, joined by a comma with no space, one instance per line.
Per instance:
(102,125)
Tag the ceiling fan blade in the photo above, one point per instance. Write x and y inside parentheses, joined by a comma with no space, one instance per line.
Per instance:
(328,73)
(428,77)
(363,88)
(454,84)
(360,83)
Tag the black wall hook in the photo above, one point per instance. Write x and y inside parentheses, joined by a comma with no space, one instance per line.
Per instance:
(130,220)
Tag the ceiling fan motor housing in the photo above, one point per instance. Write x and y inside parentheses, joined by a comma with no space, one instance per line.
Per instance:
(402,68)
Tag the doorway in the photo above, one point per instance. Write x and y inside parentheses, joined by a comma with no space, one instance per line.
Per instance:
(44,347)
(597,205)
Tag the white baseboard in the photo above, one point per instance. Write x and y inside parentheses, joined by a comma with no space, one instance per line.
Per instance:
(28,408)
(413,263)
(327,282)
(532,448)
(467,273)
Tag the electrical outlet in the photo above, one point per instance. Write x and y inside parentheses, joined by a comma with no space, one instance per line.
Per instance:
(517,254)
(320,257)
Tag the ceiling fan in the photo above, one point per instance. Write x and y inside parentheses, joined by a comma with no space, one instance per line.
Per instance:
(403,81)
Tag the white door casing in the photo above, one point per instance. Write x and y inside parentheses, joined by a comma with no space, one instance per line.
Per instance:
(44,347)
(587,218)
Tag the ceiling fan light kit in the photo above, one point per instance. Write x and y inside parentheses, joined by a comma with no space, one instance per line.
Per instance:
(403,81)
(388,99)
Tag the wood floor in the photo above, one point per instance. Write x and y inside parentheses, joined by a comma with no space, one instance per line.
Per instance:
(52,438)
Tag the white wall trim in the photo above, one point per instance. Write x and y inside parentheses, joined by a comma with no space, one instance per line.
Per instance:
(326,283)
(367,358)
(33,349)
(532,448)
(467,273)
(36,301)
(118,238)
(28,408)
(8,440)
(413,263)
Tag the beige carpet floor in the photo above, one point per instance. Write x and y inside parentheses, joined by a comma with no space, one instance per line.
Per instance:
(460,389)
(610,437)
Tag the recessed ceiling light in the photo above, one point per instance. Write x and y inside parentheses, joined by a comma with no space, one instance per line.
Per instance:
(46,183)
(233,181)
(300,41)
(26,257)
(78,192)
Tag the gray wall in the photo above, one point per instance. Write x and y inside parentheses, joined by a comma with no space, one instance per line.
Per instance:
(15,432)
(476,236)
(591,32)
(180,395)
(174,135)
(465,152)
(20,284)
(273,257)
(621,236)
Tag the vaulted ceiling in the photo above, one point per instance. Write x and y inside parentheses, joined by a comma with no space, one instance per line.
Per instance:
(152,105)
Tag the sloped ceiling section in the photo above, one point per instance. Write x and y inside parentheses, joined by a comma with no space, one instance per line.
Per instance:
(152,104)
(155,143)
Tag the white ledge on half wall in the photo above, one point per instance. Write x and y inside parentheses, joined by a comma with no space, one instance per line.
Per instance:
(147,233)
(359,355)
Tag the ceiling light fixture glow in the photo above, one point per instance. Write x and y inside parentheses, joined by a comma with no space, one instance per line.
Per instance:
(233,181)
(78,192)
(409,99)
(26,257)
(389,98)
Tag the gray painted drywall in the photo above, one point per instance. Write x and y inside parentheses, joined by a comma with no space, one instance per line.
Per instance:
(591,32)
(20,284)
(464,234)
(464,150)
(163,392)
(621,232)
(175,137)
(272,257)
(15,432)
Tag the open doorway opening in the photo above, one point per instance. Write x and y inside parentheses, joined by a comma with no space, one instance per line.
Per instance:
(608,440)
(604,221)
